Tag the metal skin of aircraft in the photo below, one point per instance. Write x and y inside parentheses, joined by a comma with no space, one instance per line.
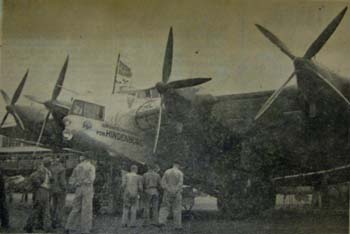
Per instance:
(125,125)
(32,122)
(233,145)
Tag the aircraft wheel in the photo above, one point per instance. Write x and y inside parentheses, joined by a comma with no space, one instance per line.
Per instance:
(239,200)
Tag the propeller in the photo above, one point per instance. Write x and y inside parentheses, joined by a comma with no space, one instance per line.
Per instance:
(164,86)
(10,103)
(302,63)
(50,103)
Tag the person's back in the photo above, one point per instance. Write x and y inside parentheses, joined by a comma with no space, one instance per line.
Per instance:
(82,179)
(151,182)
(132,183)
(59,183)
(151,185)
(172,180)
(58,193)
(83,174)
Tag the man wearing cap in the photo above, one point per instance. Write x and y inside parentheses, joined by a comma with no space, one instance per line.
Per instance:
(172,182)
(151,186)
(58,192)
(83,177)
(4,214)
(40,215)
(132,186)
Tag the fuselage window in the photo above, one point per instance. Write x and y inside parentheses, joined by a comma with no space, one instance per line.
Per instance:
(88,110)
(154,93)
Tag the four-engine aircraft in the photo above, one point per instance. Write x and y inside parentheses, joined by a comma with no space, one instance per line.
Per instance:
(231,146)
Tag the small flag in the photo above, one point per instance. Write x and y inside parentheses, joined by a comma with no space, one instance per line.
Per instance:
(124,70)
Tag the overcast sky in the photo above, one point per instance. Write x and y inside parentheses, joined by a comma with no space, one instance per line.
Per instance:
(215,39)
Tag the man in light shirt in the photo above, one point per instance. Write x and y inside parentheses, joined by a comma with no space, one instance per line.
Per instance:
(83,177)
(172,182)
(132,186)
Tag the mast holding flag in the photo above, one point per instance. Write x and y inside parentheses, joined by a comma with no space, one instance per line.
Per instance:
(123,70)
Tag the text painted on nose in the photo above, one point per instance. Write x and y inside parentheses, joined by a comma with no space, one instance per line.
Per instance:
(120,137)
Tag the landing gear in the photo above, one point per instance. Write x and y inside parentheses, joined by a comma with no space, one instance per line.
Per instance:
(108,195)
(244,197)
(246,189)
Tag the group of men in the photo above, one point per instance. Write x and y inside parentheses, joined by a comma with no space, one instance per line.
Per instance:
(49,186)
(48,183)
(148,188)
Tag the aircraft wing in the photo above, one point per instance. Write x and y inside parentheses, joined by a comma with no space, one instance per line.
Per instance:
(237,111)
(11,131)
(334,175)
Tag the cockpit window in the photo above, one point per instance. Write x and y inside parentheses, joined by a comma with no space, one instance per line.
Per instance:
(154,93)
(148,93)
(88,110)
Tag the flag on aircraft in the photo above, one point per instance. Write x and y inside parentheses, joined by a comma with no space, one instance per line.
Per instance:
(124,70)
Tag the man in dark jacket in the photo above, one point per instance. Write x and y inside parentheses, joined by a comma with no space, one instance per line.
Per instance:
(58,192)
(4,214)
(40,215)
(151,187)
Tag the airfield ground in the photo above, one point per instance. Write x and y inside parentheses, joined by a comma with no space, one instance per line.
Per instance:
(207,221)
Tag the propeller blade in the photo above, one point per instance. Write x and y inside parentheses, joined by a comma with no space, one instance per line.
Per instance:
(19,89)
(324,36)
(158,126)
(4,119)
(168,58)
(58,87)
(273,97)
(178,84)
(43,128)
(34,99)
(277,42)
(329,84)
(6,97)
(18,120)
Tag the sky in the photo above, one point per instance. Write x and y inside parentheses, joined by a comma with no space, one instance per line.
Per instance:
(214,39)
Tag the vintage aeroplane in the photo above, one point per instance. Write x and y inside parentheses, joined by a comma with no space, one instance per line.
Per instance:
(231,146)
(221,143)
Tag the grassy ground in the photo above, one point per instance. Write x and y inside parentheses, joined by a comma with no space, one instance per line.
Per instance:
(206,221)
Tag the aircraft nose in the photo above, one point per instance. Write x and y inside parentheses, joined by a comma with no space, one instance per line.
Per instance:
(67,122)
(67,135)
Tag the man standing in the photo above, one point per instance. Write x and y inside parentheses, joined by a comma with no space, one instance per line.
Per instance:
(151,185)
(4,214)
(83,177)
(58,192)
(40,215)
(172,182)
(132,186)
